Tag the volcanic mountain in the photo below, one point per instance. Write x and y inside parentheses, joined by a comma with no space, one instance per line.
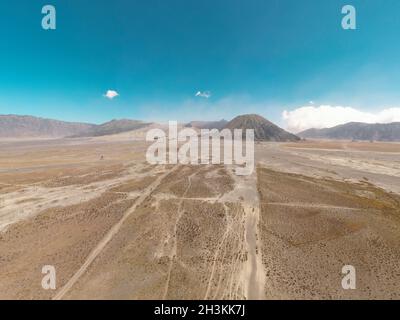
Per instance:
(264,130)
(357,131)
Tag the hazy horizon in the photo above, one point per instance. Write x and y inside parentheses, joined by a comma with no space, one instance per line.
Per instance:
(188,61)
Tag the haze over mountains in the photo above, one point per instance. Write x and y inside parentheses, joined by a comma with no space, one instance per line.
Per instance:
(13,126)
(207,124)
(356,131)
(113,127)
(20,127)
(264,130)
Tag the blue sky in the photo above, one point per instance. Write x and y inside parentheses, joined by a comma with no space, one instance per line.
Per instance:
(253,56)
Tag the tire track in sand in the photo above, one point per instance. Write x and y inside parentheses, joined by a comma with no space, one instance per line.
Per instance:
(113,231)
(253,273)
(173,257)
(251,277)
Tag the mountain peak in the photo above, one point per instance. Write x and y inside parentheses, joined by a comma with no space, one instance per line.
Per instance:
(264,130)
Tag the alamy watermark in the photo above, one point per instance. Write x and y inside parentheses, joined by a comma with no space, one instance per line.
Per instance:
(349,280)
(49,19)
(348,23)
(49,280)
(207,147)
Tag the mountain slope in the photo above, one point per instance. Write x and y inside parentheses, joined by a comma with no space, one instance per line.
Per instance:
(114,127)
(357,131)
(264,130)
(14,126)
(207,124)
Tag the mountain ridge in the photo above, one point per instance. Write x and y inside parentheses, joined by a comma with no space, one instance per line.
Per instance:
(114,126)
(264,130)
(26,126)
(207,124)
(17,126)
(23,126)
(356,131)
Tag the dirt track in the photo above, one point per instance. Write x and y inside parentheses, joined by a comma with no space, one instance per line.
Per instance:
(102,244)
(117,228)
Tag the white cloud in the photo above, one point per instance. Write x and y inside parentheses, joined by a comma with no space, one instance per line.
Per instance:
(329,116)
(111,94)
(205,94)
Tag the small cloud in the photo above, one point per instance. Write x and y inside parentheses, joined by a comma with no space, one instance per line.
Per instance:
(205,94)
(311,102)
(111,94)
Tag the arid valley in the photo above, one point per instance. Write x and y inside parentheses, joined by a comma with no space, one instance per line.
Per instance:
(200,159)
(116,227)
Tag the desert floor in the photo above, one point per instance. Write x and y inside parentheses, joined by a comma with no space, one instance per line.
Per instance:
(115,227)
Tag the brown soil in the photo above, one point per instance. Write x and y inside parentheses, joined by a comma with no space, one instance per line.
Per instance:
(311,228)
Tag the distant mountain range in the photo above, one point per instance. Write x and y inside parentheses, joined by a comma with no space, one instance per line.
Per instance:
(356,131)
(207,124)
(113,127)
(264,130)
(14,126)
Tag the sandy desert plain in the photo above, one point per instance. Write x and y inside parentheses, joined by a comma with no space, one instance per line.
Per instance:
(115,227)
